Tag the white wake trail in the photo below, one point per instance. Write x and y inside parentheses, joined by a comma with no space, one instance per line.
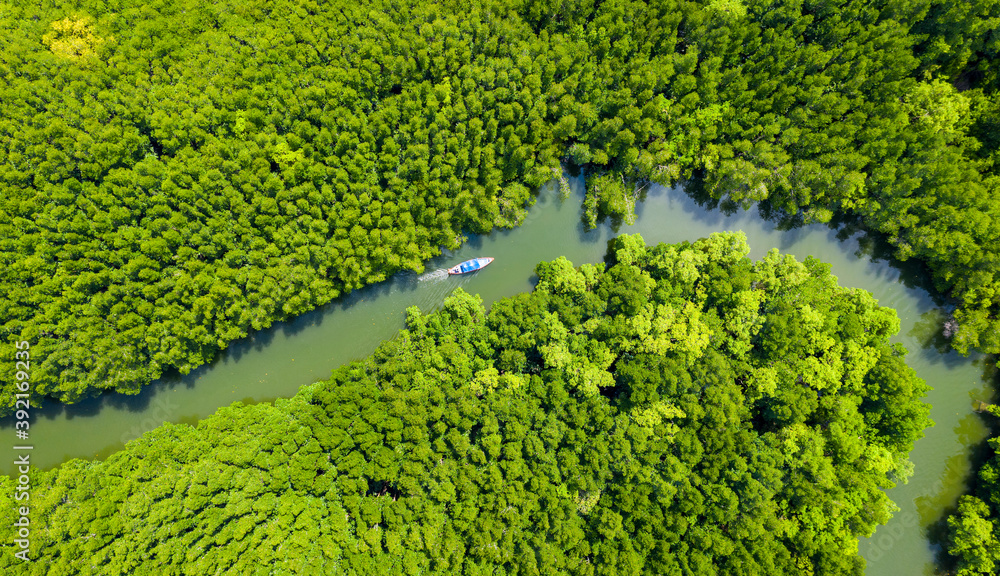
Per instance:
(438,274)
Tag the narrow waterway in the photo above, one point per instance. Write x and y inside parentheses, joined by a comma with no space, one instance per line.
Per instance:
(276,362)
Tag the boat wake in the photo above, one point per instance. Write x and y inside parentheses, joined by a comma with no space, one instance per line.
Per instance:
(438,274)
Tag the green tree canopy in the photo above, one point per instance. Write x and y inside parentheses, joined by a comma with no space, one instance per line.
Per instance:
(677,409)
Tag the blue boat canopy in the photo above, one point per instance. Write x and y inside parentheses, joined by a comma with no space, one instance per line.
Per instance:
(470,266)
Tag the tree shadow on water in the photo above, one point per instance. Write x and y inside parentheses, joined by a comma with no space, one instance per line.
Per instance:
(933,332)
(938,532)
(874,245)
(970,433)
(256,341)
(706,209)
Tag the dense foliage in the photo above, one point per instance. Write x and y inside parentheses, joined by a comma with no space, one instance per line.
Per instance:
(174,174)
(974,528)
(823,108)
(677,410)
(962,46)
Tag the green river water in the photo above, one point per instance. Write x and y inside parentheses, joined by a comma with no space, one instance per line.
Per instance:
(276,362)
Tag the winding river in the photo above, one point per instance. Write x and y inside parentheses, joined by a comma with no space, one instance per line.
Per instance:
(276,362)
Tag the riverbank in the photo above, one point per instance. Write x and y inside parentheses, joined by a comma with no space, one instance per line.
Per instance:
(276,362)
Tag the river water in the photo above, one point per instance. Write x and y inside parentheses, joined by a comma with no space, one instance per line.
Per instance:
(276,362)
